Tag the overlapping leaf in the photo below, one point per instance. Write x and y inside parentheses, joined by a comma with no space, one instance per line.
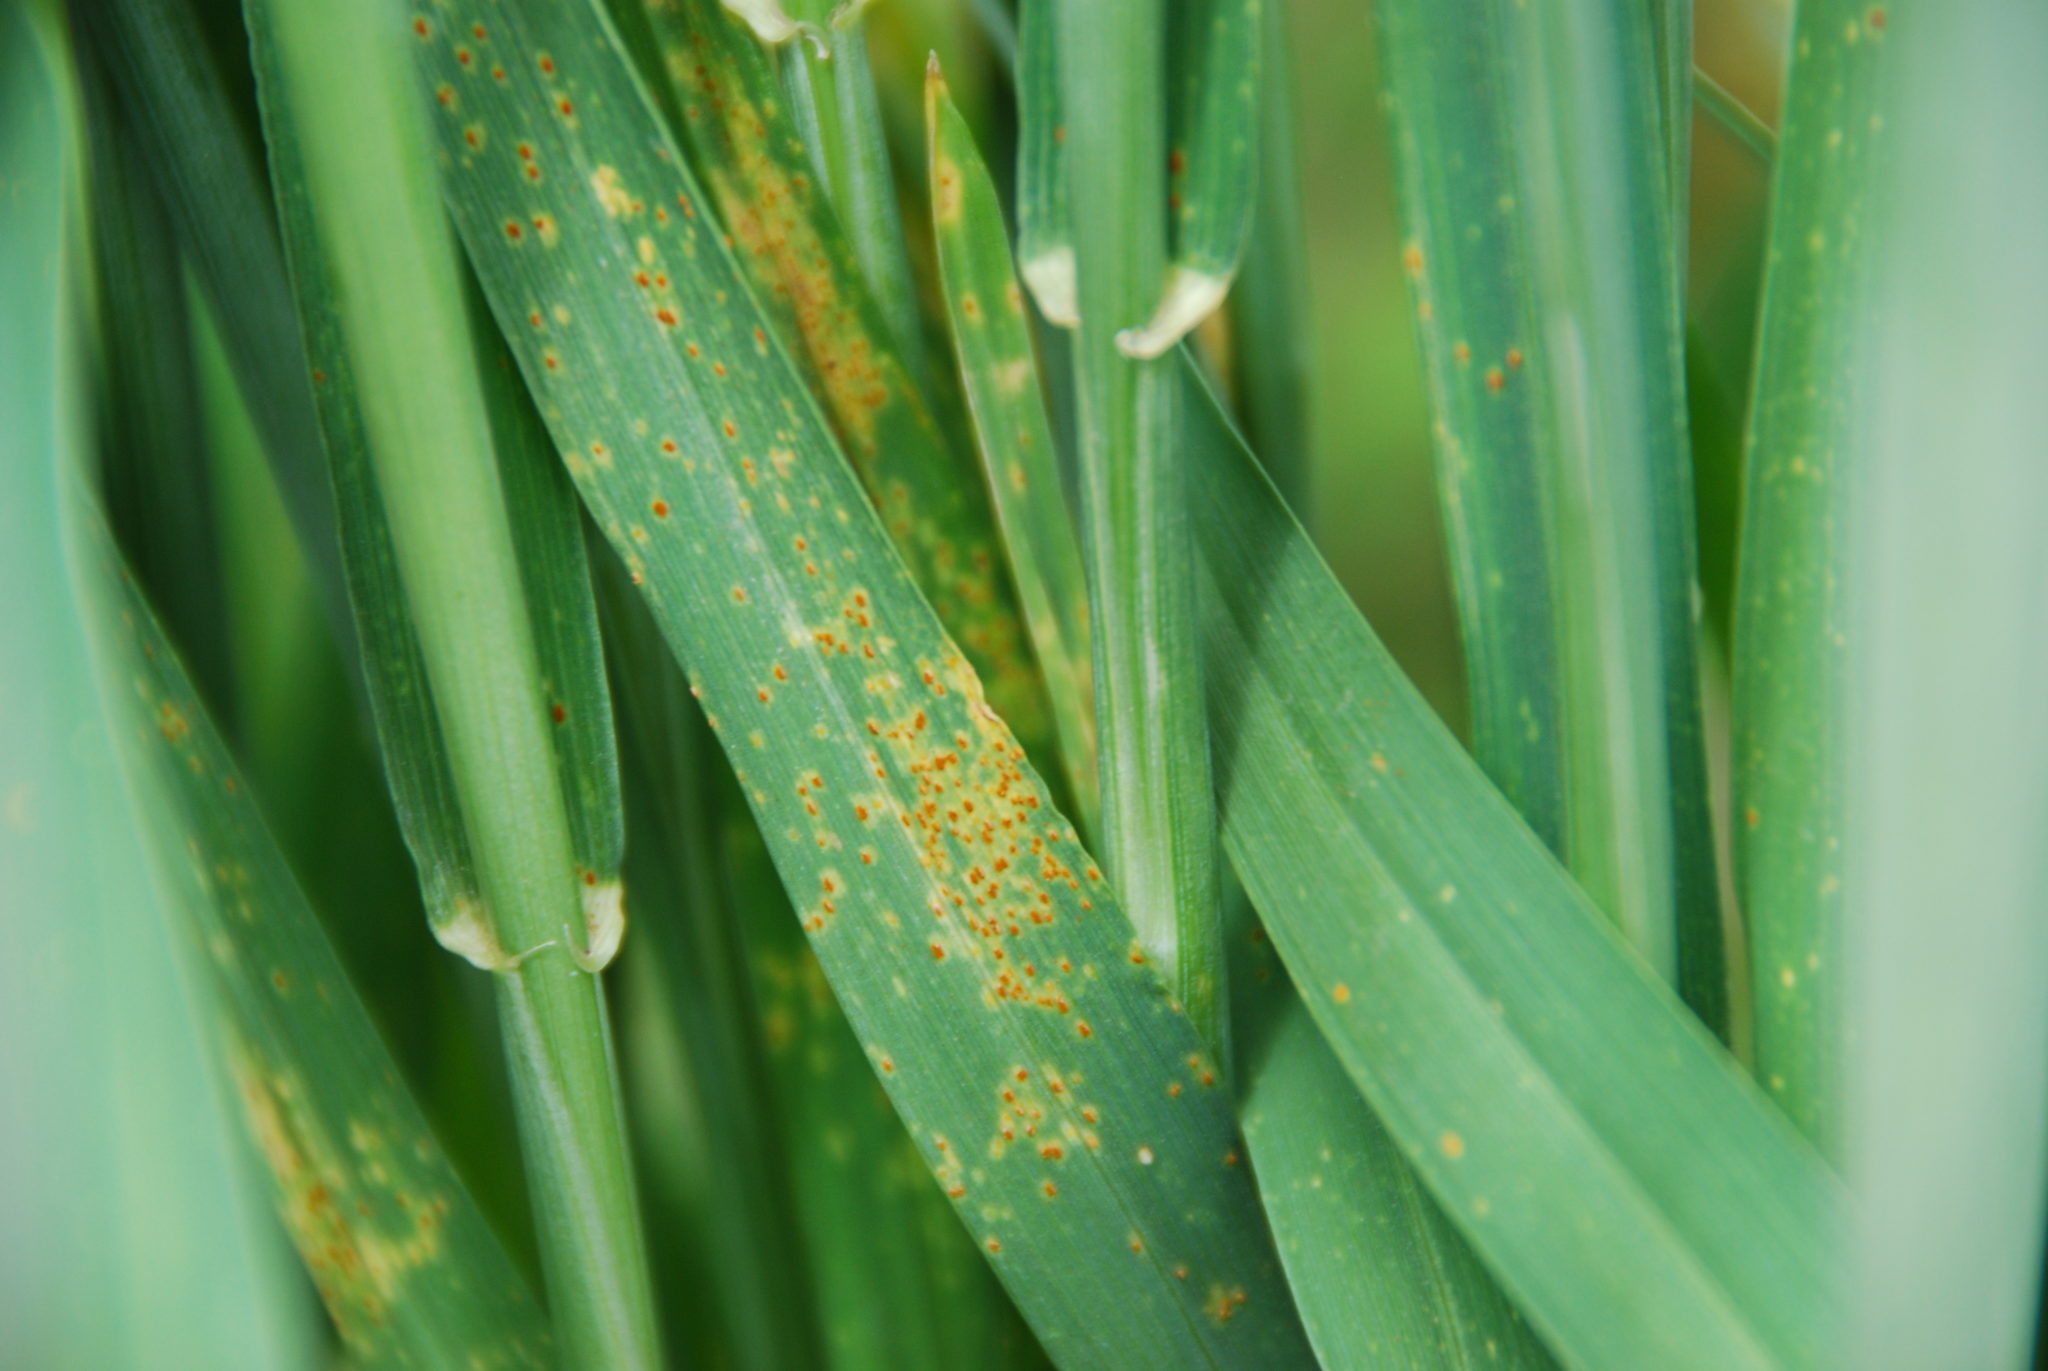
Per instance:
(981,959)
(1643,1204)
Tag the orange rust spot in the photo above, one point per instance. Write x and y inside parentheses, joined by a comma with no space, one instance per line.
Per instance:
(739,595)
(547,65)
(732,430)
(1495,379)
(1751,818)
(667,316)
(1411,259)
(1877,18)
(1453,1145)
(994,1246)
(513,230)
(561,713)
(1341,993)
(668,445)
(422,28)
(660,508)
(938,953)
(1462,352)
(1514,359)
(1051,1191)
(1083,1029)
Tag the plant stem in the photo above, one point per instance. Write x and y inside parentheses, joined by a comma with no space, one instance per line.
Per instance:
(339,88)
(1159,822)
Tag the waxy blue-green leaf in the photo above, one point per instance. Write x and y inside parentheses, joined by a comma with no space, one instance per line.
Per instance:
(1217,60)
(1068,1110)
(1635,1194)
(407,1267)
(1534,192)
(1945,1128)
(118,1165)
(1790,617)
(992,338)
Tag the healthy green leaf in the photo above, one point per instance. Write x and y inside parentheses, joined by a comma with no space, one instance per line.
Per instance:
(730,1259)
(1540,253)
(1272,328)
(992,338)
(1945,1133)
(1790,623)
(747,153)
(1045,224)
(1639,1199)
(1382,1277)
(208,168)
(1217,58)
(377,277)
(159,486)
(1158,807)
(1067,1108)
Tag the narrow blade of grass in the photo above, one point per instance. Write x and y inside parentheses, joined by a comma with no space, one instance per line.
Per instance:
(1045,223)
(1273,329)
(1382,1277)
(1158,808)
(1945,1133)
(119,1165)
(719,1193)
(992,338)
(1217,62)
(858,729)
(160,489)
(1790,608)
(378,280)
(407,1267)
(748,155)
(1537,204)
(1529,1066)
(209,169)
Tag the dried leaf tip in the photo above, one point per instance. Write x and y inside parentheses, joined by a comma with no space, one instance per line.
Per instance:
(604,925)
(1191,296)
(772,24)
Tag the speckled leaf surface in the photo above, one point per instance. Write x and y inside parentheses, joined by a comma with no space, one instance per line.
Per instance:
(1382,1277)
(1636,1195)
(407,1266)
(746,151)
(1791,616)
(982,961)
(1536,200)
(992,341)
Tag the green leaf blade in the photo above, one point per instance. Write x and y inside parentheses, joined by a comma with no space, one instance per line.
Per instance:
(860,734)
(1790,622)
(747,152)
(407,1266)
(1538,203)
(993,341)
(1532,1069)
